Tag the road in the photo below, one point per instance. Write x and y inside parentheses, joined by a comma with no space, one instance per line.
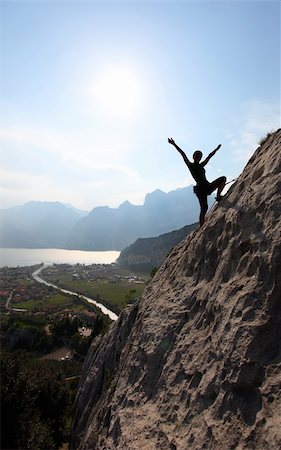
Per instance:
(59,355)
(7,306)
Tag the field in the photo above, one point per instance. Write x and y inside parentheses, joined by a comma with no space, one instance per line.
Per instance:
(105,285)
(52,302)
(114,293)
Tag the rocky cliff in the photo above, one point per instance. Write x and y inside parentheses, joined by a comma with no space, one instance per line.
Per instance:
(196,362)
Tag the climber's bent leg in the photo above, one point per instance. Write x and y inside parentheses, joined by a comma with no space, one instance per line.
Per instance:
(218,184)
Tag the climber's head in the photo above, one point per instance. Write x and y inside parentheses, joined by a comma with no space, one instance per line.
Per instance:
(197,155)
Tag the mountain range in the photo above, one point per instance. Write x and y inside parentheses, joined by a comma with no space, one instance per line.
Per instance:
(57,225)
(37,225)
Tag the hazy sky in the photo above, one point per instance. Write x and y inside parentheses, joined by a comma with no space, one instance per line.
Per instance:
(90,91)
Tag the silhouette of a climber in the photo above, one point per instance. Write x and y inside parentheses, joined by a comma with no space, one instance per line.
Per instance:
(203,187)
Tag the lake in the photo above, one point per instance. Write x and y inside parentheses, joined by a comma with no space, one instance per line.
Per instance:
(13,257)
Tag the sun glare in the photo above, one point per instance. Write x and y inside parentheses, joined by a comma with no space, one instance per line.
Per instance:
(118,92)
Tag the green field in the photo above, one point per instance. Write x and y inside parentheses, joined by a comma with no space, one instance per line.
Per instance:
(49,303)
(116,294)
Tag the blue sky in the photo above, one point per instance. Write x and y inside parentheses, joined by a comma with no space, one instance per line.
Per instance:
(90,91)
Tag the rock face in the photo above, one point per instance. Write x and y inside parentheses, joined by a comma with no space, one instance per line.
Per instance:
(147,253)
(196,362)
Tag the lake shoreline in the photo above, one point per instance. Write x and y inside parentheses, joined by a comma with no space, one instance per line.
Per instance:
(24,257)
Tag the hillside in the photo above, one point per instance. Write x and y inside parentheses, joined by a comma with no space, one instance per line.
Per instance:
(196,362)
(147,253)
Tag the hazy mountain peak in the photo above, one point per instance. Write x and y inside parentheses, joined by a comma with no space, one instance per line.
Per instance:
(156,193)
(43,203)
(126,204)
(37,224)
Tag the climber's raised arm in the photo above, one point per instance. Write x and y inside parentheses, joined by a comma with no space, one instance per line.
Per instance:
(185,158)
(203,163)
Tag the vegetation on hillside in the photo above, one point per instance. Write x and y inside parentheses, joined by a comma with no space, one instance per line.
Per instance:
(36,402)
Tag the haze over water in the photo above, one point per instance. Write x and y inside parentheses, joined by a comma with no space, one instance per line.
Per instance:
(13,257)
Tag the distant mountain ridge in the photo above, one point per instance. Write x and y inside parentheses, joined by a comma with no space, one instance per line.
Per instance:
(57,225)
(107,228)
(37,225)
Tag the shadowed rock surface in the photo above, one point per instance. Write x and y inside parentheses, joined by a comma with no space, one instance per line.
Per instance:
(147,253)
(196,362)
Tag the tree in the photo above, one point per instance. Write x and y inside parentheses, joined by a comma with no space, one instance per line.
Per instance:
(34,404)
(154,271)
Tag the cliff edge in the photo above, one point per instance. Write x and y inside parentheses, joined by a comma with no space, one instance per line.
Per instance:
(196,362)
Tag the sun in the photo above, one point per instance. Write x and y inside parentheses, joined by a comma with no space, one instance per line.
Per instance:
(118,92)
